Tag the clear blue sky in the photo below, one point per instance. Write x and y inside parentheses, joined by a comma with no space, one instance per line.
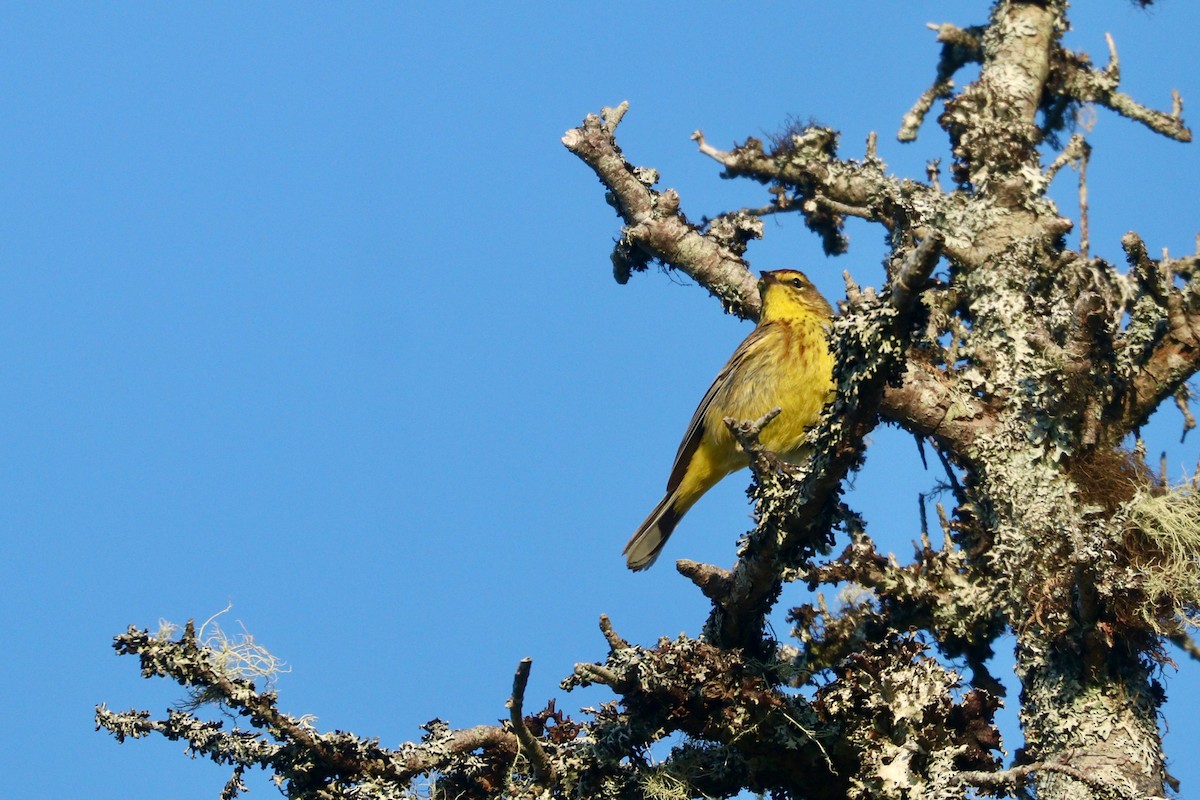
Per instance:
(306,308)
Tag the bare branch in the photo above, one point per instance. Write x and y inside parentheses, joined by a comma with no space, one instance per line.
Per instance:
(543,770)
(959,47)
(713,581)
(615,642)
(1019,776)
(656,228)
(1182,395)
(1071,153)
(806,163)
(1088,85)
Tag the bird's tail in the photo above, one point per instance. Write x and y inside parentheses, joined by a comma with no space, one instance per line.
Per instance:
(644,546)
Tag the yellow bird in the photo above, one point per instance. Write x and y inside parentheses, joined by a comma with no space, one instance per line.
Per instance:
(784,363)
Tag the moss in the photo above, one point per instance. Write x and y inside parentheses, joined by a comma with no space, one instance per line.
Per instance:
(1164,548)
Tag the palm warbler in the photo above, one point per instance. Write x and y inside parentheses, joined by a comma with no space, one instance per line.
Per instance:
(784,363)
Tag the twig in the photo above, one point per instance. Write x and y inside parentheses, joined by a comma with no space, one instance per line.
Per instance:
(543,770)
(1182,395)
(1084,238)
(615,642)
(959,494)
(959,48)
(1077,148)
(846,209)
(1019,776)
(747,431)
(1112,71)
(941,89)
(1187,644)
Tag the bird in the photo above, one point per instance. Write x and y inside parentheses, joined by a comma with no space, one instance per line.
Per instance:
(784,363)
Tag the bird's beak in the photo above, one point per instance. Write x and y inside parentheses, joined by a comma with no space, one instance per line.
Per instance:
(767,279)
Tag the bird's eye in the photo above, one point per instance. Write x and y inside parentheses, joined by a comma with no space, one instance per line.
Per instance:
(797,282)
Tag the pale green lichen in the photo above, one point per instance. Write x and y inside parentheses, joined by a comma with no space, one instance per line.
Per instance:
(1168,551)
(237,656)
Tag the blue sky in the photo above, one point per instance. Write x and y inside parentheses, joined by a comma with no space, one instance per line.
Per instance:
(305,308)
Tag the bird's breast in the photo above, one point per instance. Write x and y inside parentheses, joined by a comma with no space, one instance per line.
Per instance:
(790,368)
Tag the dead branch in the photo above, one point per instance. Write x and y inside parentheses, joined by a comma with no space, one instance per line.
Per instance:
(325,755)
(656,228)
(1171,353)
(960,46)
(1087,85)
(615,642)
(806,163)
(543,770)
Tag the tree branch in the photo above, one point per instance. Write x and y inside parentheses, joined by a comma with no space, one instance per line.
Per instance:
(325,756)
(715,695)
(1079,81)
(960,46)
(805,161)
(1163,345)
(938,592)
(1016,777)
(718,698)
(543,770)
(655,228)
(929,402)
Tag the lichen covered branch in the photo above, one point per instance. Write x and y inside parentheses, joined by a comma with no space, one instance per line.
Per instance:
(929,402)
(804,161)
(656,228)
(742,730)
(1160,348)
(887,700)
(1076,78)
(310,763)
(543,770)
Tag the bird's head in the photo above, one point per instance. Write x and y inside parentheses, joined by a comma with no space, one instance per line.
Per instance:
(789,294)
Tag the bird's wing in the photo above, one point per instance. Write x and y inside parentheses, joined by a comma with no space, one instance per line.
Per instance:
(695,431)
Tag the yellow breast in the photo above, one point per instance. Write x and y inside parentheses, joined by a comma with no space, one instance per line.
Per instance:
(789,368)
